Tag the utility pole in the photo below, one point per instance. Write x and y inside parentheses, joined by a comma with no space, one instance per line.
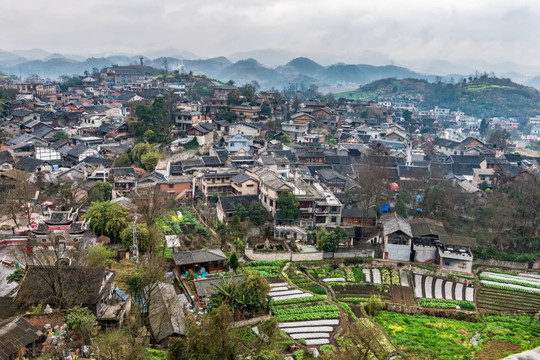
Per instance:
(134,249)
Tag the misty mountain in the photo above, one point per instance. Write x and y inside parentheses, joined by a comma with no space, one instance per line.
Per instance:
(301,65)
(208,67)
(171,53)
(268,57)
(32,54)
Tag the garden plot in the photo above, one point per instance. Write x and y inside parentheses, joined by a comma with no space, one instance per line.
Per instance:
(283,291)
(376,276)
(428,287)
(439,288)
(404,278)
(367,275)
(496,299)
(418,285)
(334,280)
(506,286)
(315,332)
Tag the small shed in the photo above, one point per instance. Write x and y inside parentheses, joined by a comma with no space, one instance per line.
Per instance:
(212,260)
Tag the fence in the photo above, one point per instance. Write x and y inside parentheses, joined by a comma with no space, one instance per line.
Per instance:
(292,256)
(249,322)
(511,264)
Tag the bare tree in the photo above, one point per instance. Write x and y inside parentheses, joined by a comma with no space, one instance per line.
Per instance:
(152,203)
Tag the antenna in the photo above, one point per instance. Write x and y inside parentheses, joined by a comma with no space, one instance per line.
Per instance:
(141,59)
(20,75)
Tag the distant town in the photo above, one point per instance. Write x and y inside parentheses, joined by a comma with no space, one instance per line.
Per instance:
(162,214)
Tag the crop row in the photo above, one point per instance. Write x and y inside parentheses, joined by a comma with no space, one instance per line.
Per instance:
(385,274)
(358,275)
(296,301)
(395,277)
(514,282)
(305,310)
(446,304)
(309,316)
(505,287)
(259,263)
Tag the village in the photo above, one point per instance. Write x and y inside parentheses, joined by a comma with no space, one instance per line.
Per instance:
(145,214)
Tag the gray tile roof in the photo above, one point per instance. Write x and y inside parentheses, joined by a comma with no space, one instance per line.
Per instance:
(15,333)
(198,257)
(393,222)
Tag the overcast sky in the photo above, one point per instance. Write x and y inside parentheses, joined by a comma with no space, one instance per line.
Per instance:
(356,30)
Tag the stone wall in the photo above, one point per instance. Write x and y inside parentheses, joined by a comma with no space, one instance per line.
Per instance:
(312,256)
(511,264)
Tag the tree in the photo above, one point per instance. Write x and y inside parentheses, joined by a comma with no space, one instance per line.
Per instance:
(61,135)
(374,305)
(483,127)
(285,139)
(150,137)
(81,321)
(288,206)
(257,213)
(100,255)
(331,242)
(102,191)
(107,219)
(144,287)
(212,339)
(150,160)
(233,262)
(152,203)
(138,151)
(500,139)
(148,237)
(113,345)
(401,209)
(407,115)
(123,160)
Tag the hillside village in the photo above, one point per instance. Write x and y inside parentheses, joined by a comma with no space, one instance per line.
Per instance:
(147,214)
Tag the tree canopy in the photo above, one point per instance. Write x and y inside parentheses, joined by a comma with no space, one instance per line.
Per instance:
(288,206)
(107,219)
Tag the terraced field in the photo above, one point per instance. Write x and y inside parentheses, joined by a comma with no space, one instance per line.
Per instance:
(435,288)
(507,300)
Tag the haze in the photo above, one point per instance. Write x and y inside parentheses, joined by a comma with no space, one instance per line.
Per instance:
(368,31)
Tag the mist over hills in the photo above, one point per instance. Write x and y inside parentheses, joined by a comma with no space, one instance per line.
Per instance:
(271,68)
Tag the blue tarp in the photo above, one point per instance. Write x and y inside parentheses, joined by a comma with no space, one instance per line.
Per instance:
(121,294)
(419,198)
(385,207)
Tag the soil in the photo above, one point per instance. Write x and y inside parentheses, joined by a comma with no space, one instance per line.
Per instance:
(497,349)
(401,295)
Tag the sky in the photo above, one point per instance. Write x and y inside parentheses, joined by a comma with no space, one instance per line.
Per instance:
(369,31)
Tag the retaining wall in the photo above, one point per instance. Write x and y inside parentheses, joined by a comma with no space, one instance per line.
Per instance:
(511,264)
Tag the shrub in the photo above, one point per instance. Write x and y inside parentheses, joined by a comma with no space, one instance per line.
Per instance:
(374,305)
(299,354)
(328,349)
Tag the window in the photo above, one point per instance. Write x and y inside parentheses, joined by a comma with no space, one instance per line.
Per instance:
(250,185)
(171,186)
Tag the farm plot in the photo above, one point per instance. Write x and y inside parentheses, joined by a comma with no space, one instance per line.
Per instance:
(385,276)
(494,299)
(313,321)
(435,288)
(283,291)
(270,269)
(520,283)
(314,332)
(305,283)
(357,294)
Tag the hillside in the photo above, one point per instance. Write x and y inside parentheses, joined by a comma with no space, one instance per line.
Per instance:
(484,96)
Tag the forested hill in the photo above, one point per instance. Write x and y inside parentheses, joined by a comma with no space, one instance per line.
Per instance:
(483,97)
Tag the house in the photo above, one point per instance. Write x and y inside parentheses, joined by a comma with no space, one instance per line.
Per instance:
(200,261)
(31,165)
(335,181)
(187,119)
(124,180)
(398,236)
(206,287)
(427,235)
(295,129)
(78,153)
(249,129)
(82,285)
(279,164)
(178,186)
(221,92)
(17,334)
(246,112)
(445,146)
(356,216)
(203,132)
(6,161)
(167,315)
(270,186)
(238,143)
(216,182)
(227,204)
(244,184)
